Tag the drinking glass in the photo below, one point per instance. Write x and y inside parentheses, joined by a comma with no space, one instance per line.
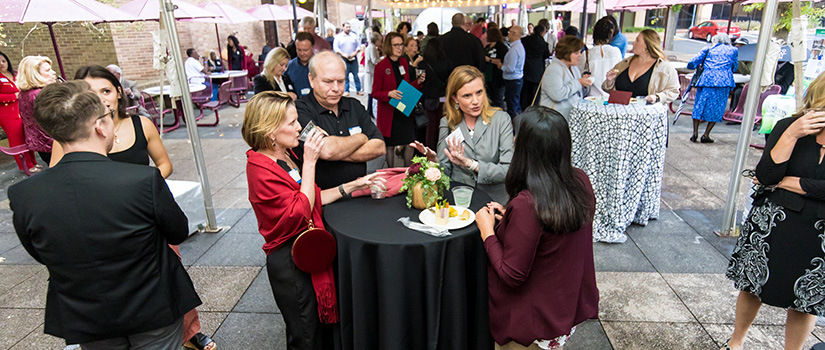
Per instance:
(462,195)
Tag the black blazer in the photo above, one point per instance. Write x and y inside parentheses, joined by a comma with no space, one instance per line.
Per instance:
(261,84)
(463,48)
(535,52)
(102,229)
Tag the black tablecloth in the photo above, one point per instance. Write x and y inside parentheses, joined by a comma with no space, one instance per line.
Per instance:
(403,289)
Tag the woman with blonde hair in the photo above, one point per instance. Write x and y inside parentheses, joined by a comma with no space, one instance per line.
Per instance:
(34,73)
(285,198)
(479,154)
(646,73)
(779,256)
(272,77)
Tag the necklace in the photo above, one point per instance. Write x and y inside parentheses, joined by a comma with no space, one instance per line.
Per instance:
(117,140)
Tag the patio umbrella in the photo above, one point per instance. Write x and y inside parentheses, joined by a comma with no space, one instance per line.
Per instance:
(228,15)
(148,10)
(43,11)
(270,12)
(748,53)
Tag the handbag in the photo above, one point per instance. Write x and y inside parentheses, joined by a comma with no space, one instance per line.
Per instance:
(313,252)
(698,73)
(421,119)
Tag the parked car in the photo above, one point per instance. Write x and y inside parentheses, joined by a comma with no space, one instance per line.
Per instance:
(706,30)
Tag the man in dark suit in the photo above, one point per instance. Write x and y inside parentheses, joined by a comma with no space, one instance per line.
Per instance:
(464,48)
(102,229)
(536,53)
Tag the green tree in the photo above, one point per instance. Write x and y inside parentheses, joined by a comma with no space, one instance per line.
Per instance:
(785,10)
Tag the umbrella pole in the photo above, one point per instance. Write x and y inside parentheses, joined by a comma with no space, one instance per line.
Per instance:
(751,103)
(583,22)
(730,16)
(797,66)
(295,16)
(168,19)
(56,51)
(218,36)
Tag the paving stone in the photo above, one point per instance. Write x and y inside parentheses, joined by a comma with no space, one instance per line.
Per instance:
(17,324)
(6,224)
(8,240)
(759,336)
(258,298)
(220,287)
(247,224)
(252,331)
(235,250)
(12,275)
(819,332)
(673,247)
(36,339)
(638,296)
(196,245)
(18,256)
(705,222)
(712,299)
(31,293)
(622,257)
(589,336)
(238,182)
(210,322)
(656,336)
(236,198)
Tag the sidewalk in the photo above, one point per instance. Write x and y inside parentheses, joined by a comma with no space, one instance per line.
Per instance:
(662,289)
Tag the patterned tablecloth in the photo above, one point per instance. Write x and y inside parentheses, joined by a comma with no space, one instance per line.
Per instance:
(622,150)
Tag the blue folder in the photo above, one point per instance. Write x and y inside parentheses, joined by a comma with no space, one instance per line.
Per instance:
(409,97)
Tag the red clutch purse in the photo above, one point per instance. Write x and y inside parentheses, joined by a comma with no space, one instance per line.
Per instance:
(620,97)
(314,250)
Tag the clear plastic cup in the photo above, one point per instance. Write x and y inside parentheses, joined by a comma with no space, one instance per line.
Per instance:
(462,195)
(305,132)
(378,191)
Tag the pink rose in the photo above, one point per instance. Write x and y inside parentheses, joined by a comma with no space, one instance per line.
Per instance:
(432,174)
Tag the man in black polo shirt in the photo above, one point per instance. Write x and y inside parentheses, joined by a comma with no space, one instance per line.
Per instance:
(353,137)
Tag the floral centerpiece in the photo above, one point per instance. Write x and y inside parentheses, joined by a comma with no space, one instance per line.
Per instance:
(425,182)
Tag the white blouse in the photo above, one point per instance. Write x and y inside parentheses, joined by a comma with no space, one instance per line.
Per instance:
(602,58)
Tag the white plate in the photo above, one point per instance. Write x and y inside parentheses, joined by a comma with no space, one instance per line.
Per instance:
(427,217)
(590,98)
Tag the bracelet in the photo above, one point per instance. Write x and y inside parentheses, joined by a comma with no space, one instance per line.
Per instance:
(342,191)
(473,166)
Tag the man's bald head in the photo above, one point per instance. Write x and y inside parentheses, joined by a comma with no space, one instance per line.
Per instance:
(458,20)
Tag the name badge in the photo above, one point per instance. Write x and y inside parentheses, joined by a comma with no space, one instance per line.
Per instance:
(4,80)
(355,130)
(289,87)
(295,175)
(401,69)
(305,91)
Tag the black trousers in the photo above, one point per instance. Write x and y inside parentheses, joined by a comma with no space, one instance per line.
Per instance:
(528,91)
(293,292)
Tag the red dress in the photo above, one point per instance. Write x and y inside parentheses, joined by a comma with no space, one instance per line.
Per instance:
(36,139)
(10,119)
(541,284)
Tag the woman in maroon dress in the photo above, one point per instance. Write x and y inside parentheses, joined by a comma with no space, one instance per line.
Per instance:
(541,276)
(34,73)
(10,114)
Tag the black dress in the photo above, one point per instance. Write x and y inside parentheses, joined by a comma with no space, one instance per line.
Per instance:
(639,86)
(403,127)
(780,256)
(138,153)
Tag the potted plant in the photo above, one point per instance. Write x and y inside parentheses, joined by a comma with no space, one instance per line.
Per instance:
(425,182)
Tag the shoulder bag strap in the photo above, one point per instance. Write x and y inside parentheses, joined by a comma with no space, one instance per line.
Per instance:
(533,103)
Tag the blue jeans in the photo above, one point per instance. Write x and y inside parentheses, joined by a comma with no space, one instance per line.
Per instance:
(512,94)
(352,67)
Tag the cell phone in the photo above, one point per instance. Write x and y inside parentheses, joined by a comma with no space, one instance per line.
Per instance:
(586,73)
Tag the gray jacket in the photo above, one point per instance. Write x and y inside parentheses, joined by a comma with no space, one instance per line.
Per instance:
(560,87)
(491,145)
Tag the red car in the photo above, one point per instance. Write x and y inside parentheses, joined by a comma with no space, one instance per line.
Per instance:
(706,30)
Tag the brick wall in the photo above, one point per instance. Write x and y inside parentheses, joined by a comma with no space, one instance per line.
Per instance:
(130,44)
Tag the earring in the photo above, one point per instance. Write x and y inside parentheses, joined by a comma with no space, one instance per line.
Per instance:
(456,105)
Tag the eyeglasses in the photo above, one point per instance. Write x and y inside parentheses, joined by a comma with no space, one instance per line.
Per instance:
(110,113)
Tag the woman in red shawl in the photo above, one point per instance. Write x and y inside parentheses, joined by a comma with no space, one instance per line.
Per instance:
(285,198)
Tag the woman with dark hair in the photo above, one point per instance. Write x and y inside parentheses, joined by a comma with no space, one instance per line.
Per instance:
(494,58)
(618,40)
(235,55)
(437,68)
(404,29)
(397,128)
(563,85)
(541,277)
(602,56)
(10,119)
(432,32)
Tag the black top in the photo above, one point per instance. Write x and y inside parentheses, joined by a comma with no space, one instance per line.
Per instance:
(803,163)
(639,86)
(437,73)
(102,228)
(260,84)
(217,67)
(492,73)
(352,119)
(784,76)
(402,131)
(413,75)
(138,153)
(464,48)
(535,53)
(236,59)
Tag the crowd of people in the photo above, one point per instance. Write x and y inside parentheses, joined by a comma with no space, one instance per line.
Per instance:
(509,97)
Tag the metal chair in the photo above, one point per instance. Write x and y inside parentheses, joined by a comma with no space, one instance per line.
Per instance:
(735,116)
(155,113)
(684,85)
(240,85)
(223,98)
(201,97)
(17,151)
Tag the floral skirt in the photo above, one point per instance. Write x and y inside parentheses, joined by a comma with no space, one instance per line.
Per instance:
(710,103)
(780,258)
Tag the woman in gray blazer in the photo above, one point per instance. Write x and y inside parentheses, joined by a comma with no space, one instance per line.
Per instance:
(483,157)
(563,85)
